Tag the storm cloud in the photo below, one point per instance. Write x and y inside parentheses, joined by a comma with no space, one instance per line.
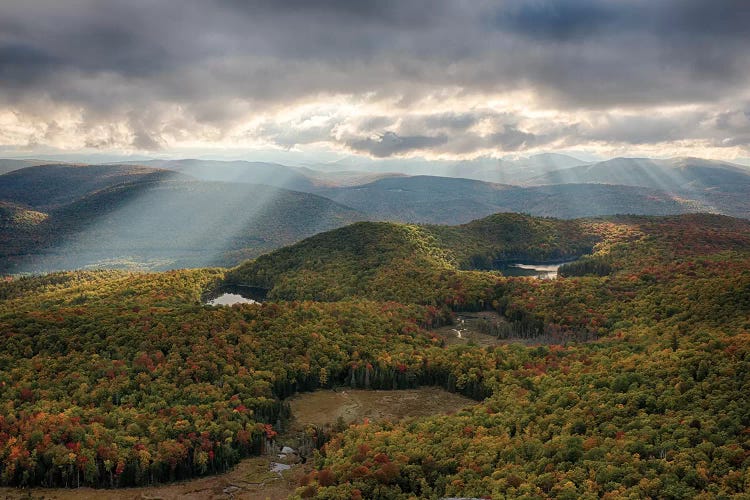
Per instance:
(430,77)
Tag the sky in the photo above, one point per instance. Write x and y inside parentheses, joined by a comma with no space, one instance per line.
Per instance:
(430,79)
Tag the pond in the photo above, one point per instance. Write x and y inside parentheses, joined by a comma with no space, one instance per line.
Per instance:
(541,271)
(228,295)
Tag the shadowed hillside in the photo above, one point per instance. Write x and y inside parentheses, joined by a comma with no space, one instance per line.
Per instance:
(153,220)
(447,200)
(719,186)
(50,186)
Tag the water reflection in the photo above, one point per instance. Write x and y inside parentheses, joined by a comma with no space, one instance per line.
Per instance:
(230,295)
(541,271)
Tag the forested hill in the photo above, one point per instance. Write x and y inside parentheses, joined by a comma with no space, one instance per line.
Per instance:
(52,186)
(445,200)
(414,263)
(390,261)
(70,217)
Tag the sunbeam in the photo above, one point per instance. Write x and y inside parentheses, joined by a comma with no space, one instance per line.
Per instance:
(177,222)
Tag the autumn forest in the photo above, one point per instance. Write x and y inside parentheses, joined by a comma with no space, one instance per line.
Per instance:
(632,379)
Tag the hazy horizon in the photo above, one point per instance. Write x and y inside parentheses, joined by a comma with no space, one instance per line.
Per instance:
(297,159)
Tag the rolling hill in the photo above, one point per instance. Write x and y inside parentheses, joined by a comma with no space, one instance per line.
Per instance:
(389,261)
(447,200)
(55,185)
(722,186)
(272,174)
(156,219)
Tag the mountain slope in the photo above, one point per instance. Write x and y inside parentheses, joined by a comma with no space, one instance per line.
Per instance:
(421,199)
(594,200)
(49,186)
(674,175)
(19,228)
(447,200)
(721,187)
(163,223)
(388,261)
(272,174)
(10,164)
(364,259)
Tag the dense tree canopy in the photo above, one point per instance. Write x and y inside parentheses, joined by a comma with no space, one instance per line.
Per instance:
(640,388)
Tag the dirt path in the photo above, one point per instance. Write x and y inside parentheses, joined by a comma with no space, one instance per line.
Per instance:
(251,480)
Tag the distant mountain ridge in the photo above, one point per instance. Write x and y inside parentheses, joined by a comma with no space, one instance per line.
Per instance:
(135,215)
(272,174)
(447,200)
(124,216)
(720,186)
(677,174)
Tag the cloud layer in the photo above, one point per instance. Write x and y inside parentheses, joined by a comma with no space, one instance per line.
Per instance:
(420,77)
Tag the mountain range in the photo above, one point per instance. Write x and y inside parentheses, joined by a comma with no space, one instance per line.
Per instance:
(134,216)
(174,213)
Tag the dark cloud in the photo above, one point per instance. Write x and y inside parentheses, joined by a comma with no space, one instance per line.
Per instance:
(267,50)
(219,61)
(513,139)
(20,63)
(389,144)
(562,20)
(451,121)
(720,19)
(383,12)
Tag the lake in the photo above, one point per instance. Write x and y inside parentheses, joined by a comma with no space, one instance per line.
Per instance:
(541,271)
(231,294)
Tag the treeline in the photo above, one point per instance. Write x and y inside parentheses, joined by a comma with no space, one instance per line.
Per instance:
(586,266)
